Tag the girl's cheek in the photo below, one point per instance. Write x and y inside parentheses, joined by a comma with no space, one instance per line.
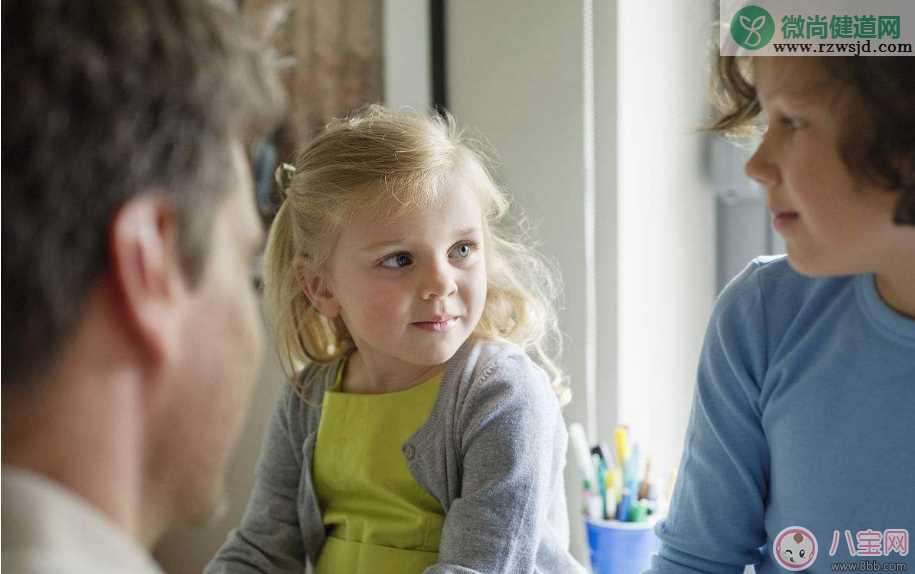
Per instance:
(382,304)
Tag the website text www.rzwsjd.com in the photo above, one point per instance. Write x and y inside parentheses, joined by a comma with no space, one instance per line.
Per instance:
(869,566)
(845,48)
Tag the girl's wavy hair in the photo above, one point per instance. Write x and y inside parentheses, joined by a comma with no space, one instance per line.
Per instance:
(878,138)
(392,162)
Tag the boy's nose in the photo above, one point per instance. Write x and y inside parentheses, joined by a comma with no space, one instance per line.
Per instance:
(761,168)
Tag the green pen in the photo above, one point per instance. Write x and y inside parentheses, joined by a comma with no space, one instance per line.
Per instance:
(638,512)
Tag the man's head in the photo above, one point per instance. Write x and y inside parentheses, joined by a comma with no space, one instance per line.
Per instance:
(103,102)
(127,194)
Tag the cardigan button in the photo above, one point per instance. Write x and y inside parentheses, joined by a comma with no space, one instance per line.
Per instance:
(409,451)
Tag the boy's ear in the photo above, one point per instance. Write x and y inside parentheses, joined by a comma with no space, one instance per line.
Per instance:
(317,289)
(147,273)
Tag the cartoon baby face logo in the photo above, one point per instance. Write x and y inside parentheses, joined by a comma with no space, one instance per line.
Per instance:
(795,548)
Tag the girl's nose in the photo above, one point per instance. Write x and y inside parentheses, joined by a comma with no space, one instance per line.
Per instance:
(438,283)
(761,168)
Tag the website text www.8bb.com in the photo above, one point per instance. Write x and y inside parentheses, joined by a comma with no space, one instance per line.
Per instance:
(869,566)
(846,48)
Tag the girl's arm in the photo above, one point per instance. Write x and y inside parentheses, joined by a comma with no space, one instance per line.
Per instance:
(716,519)
(513,449)
(269,539)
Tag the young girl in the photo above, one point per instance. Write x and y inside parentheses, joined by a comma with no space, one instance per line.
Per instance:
(799,451)
(424,434)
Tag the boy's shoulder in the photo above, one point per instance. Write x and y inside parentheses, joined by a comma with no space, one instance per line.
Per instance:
(773,277)
(770,289)
(771,271)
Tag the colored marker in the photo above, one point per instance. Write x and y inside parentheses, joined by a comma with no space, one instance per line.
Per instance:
(600,471)
(613,491)
(638,512)
(582,452)
(646,481)
(609,457)
(622,510)
(631,470)
(620,441)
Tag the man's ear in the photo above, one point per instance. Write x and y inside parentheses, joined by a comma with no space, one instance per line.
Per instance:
(147,273)
(317,289)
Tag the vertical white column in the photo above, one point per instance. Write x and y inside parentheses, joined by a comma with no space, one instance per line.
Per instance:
(666,217)
(589,218)
(407,62)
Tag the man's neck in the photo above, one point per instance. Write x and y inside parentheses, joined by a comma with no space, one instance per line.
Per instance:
(84,435)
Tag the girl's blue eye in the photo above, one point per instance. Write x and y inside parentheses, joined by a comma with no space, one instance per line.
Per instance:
(397,261)
(462,250)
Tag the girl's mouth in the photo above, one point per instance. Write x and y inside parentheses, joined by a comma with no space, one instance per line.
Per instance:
(439,325)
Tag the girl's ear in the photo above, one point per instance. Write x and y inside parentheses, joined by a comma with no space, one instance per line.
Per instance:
(317,289)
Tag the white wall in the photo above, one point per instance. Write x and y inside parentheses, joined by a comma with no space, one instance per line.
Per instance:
(666,217)
(407,62)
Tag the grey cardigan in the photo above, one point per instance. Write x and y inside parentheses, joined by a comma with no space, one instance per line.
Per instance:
(492,452)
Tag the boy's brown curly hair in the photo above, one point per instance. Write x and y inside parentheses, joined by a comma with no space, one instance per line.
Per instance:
(878,141)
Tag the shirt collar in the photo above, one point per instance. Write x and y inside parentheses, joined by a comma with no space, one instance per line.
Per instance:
(44,522)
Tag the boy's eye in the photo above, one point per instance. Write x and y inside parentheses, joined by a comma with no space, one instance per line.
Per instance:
(791,123)
(397,261)
(462,250)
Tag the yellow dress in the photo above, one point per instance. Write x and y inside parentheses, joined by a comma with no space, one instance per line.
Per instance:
(378,519)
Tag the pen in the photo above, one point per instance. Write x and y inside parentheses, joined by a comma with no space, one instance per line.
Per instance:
(582,452)
(620,441)
(613,492)
(592,502)
(601,470)
(622,509)
(609,457)
(617,478)
(631,470)
(638,512)
(597,450)
(646,480)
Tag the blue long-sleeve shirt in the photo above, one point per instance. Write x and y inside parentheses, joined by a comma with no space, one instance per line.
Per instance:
(801,437)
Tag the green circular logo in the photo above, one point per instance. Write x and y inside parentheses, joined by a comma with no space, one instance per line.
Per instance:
(752,27)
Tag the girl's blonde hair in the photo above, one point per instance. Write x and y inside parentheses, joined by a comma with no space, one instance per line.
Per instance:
(391,162)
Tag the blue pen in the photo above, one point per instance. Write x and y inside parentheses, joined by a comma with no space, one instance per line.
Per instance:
(601,470)
(629,486)
(630,473)
(597,450)
(608,455)
(622,510)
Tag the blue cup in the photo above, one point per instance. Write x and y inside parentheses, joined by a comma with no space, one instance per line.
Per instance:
(621,547)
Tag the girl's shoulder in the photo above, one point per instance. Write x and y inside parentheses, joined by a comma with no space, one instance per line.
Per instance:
(305,390)
(486,367)
(479,357)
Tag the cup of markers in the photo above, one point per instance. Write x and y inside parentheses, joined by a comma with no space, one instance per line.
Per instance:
(621,547)
(621,502)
